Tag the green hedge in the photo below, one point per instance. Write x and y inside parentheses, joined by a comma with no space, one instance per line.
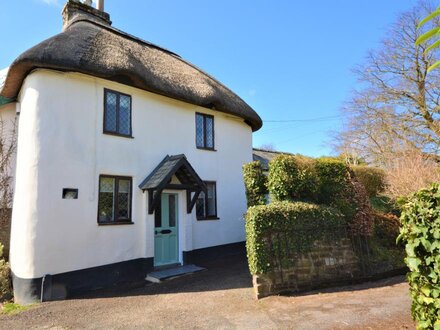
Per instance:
(333,178)
(255,183)
(421,232)
(275,231)
(283,178)
(372,178)
(292,178)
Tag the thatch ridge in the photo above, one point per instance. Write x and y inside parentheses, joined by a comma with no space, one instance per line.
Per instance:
(94,48)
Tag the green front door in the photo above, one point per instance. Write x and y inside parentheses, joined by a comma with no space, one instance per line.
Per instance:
(166,246)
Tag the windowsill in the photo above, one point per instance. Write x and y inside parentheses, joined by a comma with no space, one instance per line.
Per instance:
(115,223)
(208,218)
(207,149)
(120,135)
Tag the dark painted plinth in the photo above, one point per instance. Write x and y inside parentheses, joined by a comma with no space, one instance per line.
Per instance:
(61,286)
(203,257)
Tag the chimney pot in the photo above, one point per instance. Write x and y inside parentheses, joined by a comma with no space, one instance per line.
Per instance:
(100,5)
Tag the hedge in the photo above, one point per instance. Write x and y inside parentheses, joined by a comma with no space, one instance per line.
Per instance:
(5,278)
(275,231)
(386,228)
(283,178)
(333,178)
(421,232)
(372,178)
(255,183)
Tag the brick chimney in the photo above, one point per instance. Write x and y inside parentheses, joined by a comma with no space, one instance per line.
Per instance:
(75,10)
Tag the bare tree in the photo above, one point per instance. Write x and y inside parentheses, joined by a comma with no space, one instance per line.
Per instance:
(397,105)
(268,147)
(8,143)
(411,172)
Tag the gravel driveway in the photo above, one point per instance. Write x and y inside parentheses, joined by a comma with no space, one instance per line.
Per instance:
(222,298)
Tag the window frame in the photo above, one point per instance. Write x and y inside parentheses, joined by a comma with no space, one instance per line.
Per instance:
(204,116)
(127,221)
(210,217)
(118,96)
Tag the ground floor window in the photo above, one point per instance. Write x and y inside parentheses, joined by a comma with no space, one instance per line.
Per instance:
(114,205)
(206,206)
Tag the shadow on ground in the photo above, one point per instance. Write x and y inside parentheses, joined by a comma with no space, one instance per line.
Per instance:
(226,273)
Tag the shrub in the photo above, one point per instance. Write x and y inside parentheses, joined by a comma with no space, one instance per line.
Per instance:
(5,278)
(283,178)
(384,204)
(358,212)
(255,183)
(421,232)
(308,184)
(278,230)
(372,178)
(386,228)
(333,177)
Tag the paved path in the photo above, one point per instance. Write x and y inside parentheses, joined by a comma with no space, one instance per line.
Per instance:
(222,298)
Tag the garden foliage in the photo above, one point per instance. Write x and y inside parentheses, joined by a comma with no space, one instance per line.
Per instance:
(275,231)
(421,232)
(326,181)
(372,178)
(5,278)
(255,183)
(283,178)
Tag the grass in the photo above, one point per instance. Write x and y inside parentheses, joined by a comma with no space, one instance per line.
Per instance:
(12,308)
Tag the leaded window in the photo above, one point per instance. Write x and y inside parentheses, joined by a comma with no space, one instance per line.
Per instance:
(117,113)
(114,203)
(206,205)
(204,131)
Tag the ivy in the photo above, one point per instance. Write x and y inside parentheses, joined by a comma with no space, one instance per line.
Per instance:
(420,231)
(255,183)
(277,231)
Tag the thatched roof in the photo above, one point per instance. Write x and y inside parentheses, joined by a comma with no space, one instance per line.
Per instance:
(91,46)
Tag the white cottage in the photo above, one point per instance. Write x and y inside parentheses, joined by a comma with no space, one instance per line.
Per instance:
(128,158)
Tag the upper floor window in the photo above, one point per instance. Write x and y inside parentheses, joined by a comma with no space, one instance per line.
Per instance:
(206,205)
(114,205)
(204,131)
(117,113)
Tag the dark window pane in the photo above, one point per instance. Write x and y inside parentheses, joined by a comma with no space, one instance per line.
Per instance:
(124,199)
(124,114)
(105,204)
(172,210)
(209,132)
(200,206)
(199,131)
(158,217)
(211,209)
(110,114)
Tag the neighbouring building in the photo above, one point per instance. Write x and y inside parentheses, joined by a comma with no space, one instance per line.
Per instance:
(128,158)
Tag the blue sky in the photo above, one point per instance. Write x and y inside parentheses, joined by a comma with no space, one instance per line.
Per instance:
(290,60)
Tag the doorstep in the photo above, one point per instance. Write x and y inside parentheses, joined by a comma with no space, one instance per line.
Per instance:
(166,274)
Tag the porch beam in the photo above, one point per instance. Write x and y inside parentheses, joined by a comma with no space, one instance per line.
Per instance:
(193,200)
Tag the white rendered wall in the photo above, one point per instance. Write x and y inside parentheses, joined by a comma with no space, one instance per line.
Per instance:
(61,145)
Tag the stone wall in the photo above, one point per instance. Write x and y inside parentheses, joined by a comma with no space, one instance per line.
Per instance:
(5,230)
(325,263)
